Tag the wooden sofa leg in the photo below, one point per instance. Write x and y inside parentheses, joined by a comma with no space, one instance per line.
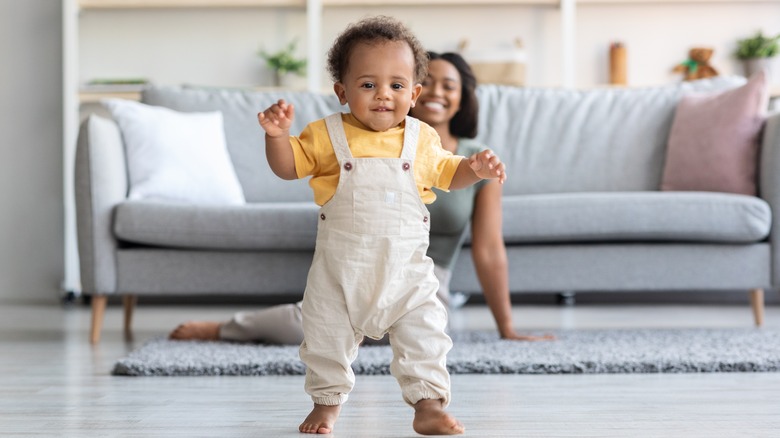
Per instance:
(757,302)
(128,301)
(98,311)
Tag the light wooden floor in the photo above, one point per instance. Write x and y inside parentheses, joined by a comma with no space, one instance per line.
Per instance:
(53,384)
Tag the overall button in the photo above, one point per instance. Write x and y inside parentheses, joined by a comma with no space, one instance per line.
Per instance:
(322,216)
(425,218)
(347,166)
(405,166)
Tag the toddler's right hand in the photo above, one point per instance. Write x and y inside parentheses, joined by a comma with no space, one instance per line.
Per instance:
(276,120)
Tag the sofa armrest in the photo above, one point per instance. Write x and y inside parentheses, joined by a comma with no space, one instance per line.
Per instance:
(769,186)
(100,184)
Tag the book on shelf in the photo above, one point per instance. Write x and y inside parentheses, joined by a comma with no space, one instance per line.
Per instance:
(98,89)
(114,85)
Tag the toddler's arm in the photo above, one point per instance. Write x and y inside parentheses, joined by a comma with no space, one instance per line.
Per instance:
(482,165)
(276,121)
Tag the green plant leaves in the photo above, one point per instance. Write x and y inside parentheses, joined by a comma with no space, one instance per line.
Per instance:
(284,61)
(758,46)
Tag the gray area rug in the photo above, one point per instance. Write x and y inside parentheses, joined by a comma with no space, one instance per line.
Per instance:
(482,352)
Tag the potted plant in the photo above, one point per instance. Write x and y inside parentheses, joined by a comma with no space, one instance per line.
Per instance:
(757,52)
(284,62)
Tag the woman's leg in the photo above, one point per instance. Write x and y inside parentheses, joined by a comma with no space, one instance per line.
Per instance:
(273,325)
(279,324)
(451,300)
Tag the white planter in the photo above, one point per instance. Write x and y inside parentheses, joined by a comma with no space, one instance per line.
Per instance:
(288,81)
(754,65)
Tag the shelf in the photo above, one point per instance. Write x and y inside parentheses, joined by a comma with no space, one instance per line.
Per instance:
(97,96)
(666,2)
(91,94)
(438,2)
(151,4)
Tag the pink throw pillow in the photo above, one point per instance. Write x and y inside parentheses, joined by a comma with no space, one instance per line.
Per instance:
(713,143)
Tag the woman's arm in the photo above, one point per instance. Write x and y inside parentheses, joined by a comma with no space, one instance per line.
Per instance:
(490,260)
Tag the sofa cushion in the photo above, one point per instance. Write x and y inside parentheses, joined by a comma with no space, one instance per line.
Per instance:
(573,217)
(606,139)
(175,156)
(260,226)
(713,144)
(636,216)
(245,139)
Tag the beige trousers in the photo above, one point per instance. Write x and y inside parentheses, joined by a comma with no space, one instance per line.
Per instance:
(282,324)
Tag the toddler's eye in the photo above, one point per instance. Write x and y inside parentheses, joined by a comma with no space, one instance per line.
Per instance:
(397,86)
(368,85)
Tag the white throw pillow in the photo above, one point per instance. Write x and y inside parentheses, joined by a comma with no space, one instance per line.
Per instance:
(176,156)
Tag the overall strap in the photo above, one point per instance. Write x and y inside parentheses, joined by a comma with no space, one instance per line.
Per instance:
(411,136)
(337,137)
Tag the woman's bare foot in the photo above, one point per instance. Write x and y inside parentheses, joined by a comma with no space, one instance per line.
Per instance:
(196,330)
(430,418)
(321,419)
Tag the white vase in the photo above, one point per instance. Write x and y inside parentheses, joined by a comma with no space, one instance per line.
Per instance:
(279,79)
(754,65)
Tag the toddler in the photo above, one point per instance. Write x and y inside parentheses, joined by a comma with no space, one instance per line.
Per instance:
(371,171)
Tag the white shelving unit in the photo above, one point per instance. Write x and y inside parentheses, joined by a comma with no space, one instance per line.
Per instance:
(70,125)
(314,11)
(74,97)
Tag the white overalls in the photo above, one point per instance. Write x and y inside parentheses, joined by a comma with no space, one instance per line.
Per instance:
(371,275)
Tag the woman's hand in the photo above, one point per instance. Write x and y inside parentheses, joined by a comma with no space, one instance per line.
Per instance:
(487,165)
(513,336)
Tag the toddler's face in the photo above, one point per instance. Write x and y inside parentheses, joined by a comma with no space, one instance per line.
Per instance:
(379,84)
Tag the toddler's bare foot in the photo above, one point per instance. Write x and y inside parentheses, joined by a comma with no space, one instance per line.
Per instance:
(431,419)
(196,330)
(321,419)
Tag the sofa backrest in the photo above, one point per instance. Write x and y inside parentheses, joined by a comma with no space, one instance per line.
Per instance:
(552,140)
(604,139)
(245,138)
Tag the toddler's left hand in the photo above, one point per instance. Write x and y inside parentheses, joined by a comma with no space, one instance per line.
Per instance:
(487,165)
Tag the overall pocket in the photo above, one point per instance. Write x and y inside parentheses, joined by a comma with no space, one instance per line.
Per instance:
(376,212)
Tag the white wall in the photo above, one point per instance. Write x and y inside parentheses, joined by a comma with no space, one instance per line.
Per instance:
(31,199)
(658,36)
(218,47)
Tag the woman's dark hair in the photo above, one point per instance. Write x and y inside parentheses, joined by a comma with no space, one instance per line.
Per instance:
(464,122)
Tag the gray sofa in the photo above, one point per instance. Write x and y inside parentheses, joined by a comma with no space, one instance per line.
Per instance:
(582,206)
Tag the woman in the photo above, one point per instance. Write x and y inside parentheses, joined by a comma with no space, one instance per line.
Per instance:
(448,103)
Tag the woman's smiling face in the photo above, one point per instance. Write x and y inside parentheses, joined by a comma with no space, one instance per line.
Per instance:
(441,94)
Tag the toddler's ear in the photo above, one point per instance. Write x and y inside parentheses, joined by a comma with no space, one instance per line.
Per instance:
(416,93)
(341,92)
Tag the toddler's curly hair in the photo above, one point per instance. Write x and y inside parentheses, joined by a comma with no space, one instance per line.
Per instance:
(374,30)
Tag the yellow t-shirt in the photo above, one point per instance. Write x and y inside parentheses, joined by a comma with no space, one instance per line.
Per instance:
(314,155)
